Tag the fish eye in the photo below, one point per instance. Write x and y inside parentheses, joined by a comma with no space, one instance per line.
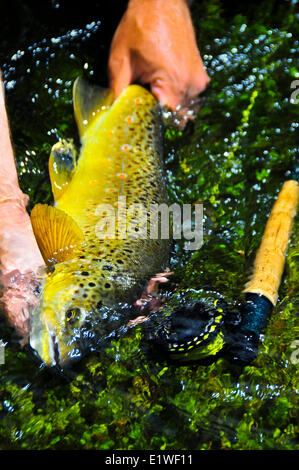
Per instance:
(72,315)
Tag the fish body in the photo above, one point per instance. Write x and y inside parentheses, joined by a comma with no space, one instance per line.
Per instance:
(116,179)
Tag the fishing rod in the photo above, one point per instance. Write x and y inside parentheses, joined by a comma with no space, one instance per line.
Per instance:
(261,292)
(206,327)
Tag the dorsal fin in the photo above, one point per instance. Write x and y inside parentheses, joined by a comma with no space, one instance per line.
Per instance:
(89,101)
(56,233)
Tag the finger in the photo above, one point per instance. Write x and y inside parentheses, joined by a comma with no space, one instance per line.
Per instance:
(166,95)
(120,73)
(200,84)
(200,80)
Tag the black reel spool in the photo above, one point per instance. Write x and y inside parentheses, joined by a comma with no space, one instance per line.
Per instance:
(190,331)
(200,329)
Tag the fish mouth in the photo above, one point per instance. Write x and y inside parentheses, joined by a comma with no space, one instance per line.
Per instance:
(45,342)
(50,350)
(47,348)
(64,351)
(54,349)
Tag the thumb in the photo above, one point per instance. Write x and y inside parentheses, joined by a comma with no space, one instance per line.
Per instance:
(120,73)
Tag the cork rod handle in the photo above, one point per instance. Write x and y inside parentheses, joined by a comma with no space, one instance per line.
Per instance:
(270,258)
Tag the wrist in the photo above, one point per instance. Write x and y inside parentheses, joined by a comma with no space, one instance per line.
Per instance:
(10,189)
(19,249)
(158,3)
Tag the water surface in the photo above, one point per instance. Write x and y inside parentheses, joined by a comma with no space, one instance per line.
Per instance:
(234,159)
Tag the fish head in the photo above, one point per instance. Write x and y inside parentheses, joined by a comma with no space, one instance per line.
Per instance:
(57,320)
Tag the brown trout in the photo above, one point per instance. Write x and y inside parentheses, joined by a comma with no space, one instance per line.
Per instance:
(120,166)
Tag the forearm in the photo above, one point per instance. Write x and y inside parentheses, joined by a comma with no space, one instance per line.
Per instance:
(8,172)
(18,248)
(20,258)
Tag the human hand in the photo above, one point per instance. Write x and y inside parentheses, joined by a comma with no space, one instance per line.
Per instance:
(155,44)
(20,258)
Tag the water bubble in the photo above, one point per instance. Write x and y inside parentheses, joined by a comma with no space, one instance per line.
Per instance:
(10,84)
(55,40)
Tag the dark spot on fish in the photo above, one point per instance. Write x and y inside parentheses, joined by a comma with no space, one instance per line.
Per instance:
(91,284)
(119,261)
(82,257)
(99,304)
(107,268)
(107,285)
(84,273)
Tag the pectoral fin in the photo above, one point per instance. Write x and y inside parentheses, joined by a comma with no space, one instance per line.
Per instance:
(56,233)
(89,101)
(62,164)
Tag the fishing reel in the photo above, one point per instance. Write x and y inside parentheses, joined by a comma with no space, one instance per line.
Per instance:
(203,330)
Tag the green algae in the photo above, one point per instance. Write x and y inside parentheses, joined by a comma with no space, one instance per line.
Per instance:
(234,159)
